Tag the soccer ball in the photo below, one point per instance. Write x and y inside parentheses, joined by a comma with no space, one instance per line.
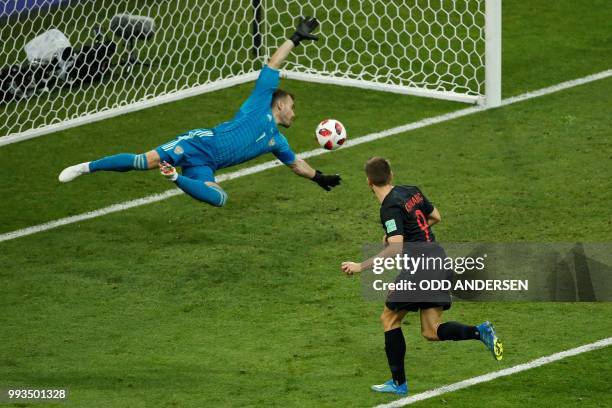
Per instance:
(331,134)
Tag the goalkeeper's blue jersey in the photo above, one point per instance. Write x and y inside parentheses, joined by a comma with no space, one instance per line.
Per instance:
(252,131)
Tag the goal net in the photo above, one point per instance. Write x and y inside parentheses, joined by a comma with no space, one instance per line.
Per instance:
(68,62)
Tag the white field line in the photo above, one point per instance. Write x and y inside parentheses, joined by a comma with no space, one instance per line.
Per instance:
(275,163)
(497,374)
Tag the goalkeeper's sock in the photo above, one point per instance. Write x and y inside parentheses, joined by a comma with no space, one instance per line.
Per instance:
(200,191)
(456,331)
(395,347)
(120,162)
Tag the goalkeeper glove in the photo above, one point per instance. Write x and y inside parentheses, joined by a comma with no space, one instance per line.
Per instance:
(304,30)
(326,182)
(168,171)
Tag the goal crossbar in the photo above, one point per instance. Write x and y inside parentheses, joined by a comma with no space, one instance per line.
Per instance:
(377,86)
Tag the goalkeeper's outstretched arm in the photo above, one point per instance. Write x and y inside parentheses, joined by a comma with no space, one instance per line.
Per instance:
(303,31)
(276,60)
(326,182)
(301,168)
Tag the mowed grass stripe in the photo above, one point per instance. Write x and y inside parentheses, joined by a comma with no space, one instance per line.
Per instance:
(312,153)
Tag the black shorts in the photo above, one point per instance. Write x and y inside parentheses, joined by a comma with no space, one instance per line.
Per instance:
(416,299)
(416,306)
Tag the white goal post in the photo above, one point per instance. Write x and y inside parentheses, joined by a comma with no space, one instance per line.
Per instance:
(70,62)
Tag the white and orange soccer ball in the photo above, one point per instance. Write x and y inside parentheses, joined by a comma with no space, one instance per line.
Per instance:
(331,134)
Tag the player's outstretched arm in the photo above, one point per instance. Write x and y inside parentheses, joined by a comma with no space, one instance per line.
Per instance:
(281,54)
(394,247)
(303,31)
(326,182)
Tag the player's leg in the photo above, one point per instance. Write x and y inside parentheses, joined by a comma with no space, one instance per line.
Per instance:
(119,162)
(124,162)
(199,183)
(431,319)
(433,329)
(395,348)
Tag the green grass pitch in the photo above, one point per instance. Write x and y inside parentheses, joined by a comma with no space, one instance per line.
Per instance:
(177,304)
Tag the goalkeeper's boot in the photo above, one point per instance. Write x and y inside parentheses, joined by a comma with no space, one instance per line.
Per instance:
(489,338)
(72,172)
(391,387)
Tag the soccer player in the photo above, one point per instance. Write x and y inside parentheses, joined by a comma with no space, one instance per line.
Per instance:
(407,216)
(252,132)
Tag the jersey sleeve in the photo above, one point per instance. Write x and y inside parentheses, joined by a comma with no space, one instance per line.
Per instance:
(392,218)
(261,96)
(426,206)
(282,150)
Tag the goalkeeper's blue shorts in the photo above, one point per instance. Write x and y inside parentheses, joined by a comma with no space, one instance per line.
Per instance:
(192,152)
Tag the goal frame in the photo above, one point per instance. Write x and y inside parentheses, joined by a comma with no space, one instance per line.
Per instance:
(491,97)
(493,63)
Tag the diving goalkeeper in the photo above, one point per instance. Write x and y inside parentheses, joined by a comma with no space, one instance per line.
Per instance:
(252,132)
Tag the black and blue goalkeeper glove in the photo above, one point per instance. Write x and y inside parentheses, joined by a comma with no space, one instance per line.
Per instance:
(304,30)
(326,182)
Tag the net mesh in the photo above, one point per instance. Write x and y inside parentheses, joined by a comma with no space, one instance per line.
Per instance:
(429,44)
